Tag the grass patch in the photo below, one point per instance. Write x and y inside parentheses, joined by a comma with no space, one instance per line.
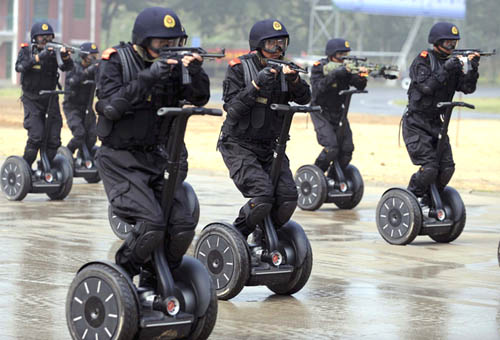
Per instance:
(483,105)
(10,92)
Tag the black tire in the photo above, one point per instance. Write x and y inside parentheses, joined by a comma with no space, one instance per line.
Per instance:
(205,324)
(311,187)
(299,278)
(100,301)
(63,150)
(224,252)
(356,185)
(399,217)
(95,178)
(119,227)
(15,178)
(63,165)
(455,208)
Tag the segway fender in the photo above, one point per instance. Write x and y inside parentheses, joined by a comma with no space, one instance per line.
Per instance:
(293,233)
(122,273)
(401,189)
(193,203)
(192,271)
(453,199)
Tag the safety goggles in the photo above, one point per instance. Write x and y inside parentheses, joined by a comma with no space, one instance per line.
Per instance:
(275,45)
(174,42)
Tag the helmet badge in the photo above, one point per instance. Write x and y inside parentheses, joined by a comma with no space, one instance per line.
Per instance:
(346,44)
(454,30)
(277,26)
(169,21)
(45,27)
(93,46)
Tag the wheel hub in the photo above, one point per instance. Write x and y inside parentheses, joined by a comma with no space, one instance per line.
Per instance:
(395,217)
(94,312)
(215,262)
(306,188)
(11,178)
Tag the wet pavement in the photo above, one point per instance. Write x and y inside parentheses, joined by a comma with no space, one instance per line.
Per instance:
(360,287)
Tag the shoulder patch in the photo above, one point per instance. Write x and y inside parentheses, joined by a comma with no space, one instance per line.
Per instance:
(317,63)
(424,54)
(24,45)
(107,53)
(234,62)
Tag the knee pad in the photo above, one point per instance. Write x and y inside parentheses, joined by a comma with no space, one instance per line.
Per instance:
(427,175)
(445,175)
(146,237)
(283,211)
(177,245)
(257,209)
(321,162)
(331,154)
(345,159)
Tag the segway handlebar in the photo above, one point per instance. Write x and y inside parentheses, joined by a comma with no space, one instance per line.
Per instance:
(188,111)
(44,92)
(353,91)
(453,104)
(288,108)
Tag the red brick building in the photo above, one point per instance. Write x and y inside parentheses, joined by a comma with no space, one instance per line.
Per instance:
(74,21)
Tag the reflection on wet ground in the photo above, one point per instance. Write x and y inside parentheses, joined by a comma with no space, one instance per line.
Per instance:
(360,287)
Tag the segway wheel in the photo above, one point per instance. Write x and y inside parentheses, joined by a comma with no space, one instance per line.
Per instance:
(311,186)
(101,305)
(15,178)
(63,165)
(119,227)
(224,252)
(63,150)
(455,209)
(299,278)
(399,217)
(356,185)
(95,178)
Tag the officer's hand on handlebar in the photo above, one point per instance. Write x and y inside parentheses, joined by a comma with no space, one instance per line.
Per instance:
(453,64)
(193,63)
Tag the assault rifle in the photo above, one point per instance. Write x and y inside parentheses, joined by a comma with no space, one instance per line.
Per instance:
(354,64)
(464,53)
(179,52)
(278,64)
(56,46)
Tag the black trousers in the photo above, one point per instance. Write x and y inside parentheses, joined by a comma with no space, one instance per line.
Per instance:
(82,125)
(420,134)
(34,122)
(133,181)
(327,136)
(249,165)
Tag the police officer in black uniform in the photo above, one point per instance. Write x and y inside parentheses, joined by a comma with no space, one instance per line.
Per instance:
(435,76)
(251,128)
(39,71)
(133,84)
(81,122)
(325,92)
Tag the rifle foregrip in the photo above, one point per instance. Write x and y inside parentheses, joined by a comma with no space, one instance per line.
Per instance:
(186,78)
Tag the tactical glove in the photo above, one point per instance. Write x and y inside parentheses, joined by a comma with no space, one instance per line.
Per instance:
(453,64)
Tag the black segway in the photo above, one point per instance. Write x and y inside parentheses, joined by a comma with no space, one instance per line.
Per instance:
(52,178)
(280,259)
(84,165)
(103,302)
(344,189)
(400,217)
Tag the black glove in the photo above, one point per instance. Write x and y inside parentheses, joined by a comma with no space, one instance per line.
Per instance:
(453,64)
(65,54)
(159,69)
(44,54)
(194,67)
(291,77)
(265,78)
(474,63)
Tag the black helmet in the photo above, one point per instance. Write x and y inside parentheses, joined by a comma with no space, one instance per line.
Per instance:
(337,45)
(184,37)
(40,28)
(443,31)
(266,29)
(156,22)
(87,48)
